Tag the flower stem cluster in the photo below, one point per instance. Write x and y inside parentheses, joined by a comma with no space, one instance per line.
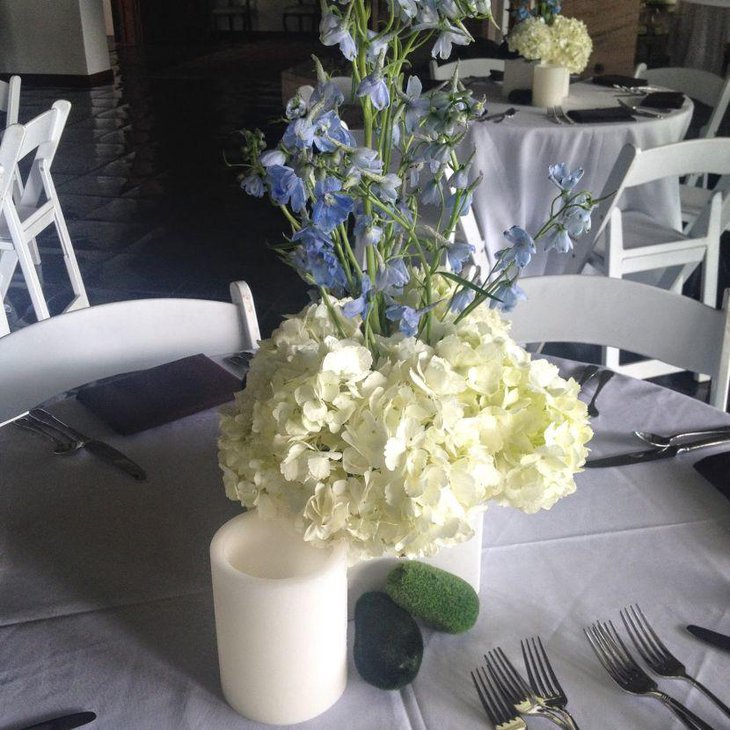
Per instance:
(355,200)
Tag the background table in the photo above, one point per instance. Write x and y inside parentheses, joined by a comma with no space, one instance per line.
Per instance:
(105,599)
(514,156)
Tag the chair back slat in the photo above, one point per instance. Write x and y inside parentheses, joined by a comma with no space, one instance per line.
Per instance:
(10,99)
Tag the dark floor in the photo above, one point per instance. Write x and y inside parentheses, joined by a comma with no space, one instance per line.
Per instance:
(151,206)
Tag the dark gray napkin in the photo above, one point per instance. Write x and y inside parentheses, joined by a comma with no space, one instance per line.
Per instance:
(605,114)
(663,100)
(149,398)
(716,469)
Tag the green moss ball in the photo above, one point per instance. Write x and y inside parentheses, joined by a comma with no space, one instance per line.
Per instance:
(440,599)
(388,643)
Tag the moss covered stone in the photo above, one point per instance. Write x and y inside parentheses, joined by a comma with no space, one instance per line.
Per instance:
(388,643)
(440,599)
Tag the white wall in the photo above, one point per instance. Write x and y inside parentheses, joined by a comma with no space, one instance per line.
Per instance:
(53,37)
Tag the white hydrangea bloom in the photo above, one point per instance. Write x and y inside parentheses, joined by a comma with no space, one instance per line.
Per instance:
(394,455)
(564,43)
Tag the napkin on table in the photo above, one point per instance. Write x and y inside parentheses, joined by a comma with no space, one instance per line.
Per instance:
(603,114)
(716,469)
(663,100)
(149,398)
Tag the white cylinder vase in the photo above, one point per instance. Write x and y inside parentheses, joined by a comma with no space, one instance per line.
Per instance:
(463,559)
(550,85)
(281,620)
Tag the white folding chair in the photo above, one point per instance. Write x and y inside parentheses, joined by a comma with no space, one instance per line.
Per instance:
(631,316)
(10,99)
(704,86)
(628,242)
(36,208)
(468,68)
(710,89)
(50,357)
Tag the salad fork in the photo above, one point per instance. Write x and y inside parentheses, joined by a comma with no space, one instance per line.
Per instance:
(552,115)
(502,715)
(662,442)
(559,111)
(657,656)
(517,692)
(544,682)
(623,669)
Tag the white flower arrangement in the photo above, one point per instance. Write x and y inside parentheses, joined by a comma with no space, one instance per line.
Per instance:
(394,453)
(562,41)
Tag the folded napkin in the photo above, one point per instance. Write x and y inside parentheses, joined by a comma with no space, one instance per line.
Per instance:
(520,96)
(663,100)
(149,398)
(606,114)
(716,469)
(617,80)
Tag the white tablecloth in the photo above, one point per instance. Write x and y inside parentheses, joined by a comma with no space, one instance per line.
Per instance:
(105,599)
(514,156)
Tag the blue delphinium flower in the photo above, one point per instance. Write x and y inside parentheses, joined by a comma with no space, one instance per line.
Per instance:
(329,130)
(298,135)
(374,87)
(386,187)
(442,47)
(273,157)
(461,300)
(407,317)
(367,232)
(331,207)
(523,246)
(327,96)
(417,106)
(287,187)
(431,194)
(296,107)
(577,218)
(253,185)
(333,31)
(507,295)
(457,254)
(565,179)
(392,277)
(315,257)
(559,239)
(361,305)
(408,8)
(378,45)
(464,203)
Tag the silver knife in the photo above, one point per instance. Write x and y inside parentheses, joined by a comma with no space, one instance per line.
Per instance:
(637,457)
(710,637)
(65,722)
(99,448)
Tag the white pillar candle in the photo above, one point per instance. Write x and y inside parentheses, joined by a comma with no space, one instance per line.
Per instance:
(281,620)
(549,85)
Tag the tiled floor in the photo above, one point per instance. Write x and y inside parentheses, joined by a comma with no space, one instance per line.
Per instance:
(151,206)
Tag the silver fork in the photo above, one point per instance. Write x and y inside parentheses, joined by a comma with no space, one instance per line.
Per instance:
(623,669)
(552,115)
(559,111)
(588,372)
(544,682)
(657,656)
(516,690)
(656,439)
(603,379)
(62,443)
(502,715)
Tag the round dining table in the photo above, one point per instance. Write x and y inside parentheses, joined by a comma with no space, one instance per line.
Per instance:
(106,602)
(514,155)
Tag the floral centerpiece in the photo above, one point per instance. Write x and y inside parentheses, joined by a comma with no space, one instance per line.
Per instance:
(395,407)
(542,34)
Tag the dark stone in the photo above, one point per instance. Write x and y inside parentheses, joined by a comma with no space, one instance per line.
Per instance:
(388,643)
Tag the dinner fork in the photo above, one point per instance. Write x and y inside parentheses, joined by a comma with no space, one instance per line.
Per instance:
(662,442)
(656,655)
(559,111)
(502,715)
(516,690)
(603,379)
(544,682)
(552,115)
(623,669)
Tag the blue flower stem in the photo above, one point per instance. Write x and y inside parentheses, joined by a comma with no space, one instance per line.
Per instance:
(294,222)
(347,248)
